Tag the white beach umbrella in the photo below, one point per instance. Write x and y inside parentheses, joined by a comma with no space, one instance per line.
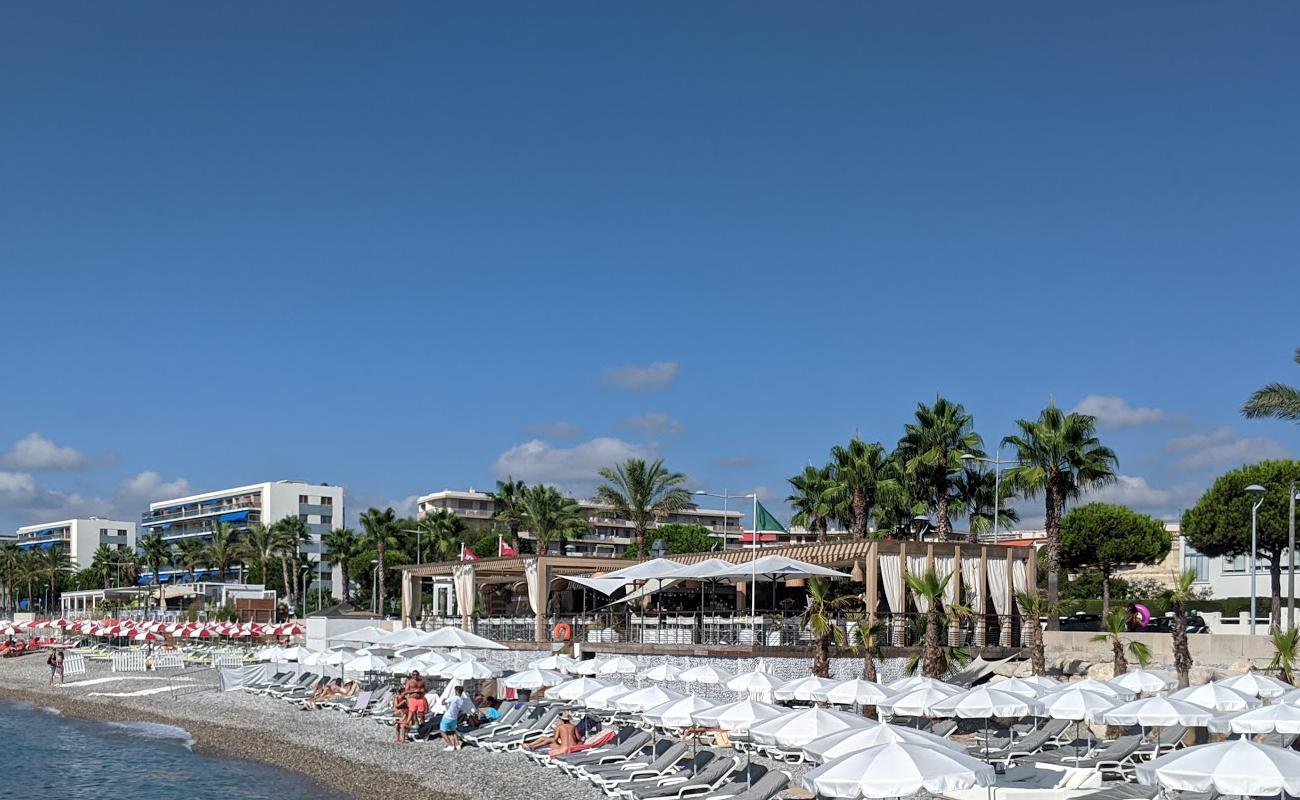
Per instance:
(1277,718)
(655,568)
(1158,712)
(367,635)
(1256,684)
(308,658)
(641,699)
(772,567)
(335,658)
(1077,704)
(618,665)
(367,663)
(851,740)
(399,638)
(556,662)
(533,678)
(739,716)
(986,702)
(408,665)
(1144,681)
(921,682)
(854,692)
(575,689)
(897,769)
(1237,766)
(1044,683)
(468,671)
(916,702)
(705,674)
(677,713)
(455,637)
(802,689)
(590,666)
(602,699)
(796,729)
(273,653)
(1022,687)
(757,683)
(1217,697)
(1103,687)
(660,672)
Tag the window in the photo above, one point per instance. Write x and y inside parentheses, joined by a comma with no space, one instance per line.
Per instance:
(327,501)
(103,531)
(1238,563)
(302,517)
(121,531)
(302,498)
(1200,565)
(326,519)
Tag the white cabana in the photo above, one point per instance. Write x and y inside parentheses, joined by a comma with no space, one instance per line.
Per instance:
(851,740)
(796,729)
(897,769)
(1237,766)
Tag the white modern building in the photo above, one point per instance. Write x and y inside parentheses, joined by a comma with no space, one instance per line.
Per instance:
(608,535)
(81,537)
(320,506)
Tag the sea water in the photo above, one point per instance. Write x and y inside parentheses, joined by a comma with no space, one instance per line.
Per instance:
(46,755)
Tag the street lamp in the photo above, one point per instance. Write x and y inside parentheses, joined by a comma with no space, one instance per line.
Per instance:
(920,526)
(997,463)
(374,586)
(1290,567)
(417,533)
(1258,491)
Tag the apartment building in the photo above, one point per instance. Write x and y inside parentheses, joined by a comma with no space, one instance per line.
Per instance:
(81,537)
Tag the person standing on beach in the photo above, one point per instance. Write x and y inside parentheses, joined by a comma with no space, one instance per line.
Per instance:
(59,665)
(451,719)
(53,663)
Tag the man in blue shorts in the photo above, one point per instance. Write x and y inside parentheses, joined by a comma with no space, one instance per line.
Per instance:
(451,718)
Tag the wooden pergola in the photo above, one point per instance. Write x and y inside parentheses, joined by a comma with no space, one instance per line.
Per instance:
(861,558)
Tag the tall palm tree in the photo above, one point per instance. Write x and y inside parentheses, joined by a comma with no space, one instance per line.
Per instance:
(1033,607)
(549,515)
(932,448)
(930,586)
(444,533)
(378,526)
(973,492)
(341,546)
(1275,400)
(223,548)
(191,554)
(27,572)
(259,546)
(1060,456)
(9,557)
(1113,629)
(1286,649)
(104,564)
(858,475)
(507,504)
(294,533)
(52,561)
(897,507)
(640,492)
(811,501)
(819,619)
(157,554)
(1180,597)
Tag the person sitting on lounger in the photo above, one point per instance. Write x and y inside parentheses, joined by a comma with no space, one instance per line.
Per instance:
(324,692)
(562,740)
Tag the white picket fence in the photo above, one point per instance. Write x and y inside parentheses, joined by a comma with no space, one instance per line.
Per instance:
(227,660)
(129,661)
(74,664)
(168,661)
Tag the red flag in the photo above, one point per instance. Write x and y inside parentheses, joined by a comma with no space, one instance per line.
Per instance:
(467,554)
(504,548)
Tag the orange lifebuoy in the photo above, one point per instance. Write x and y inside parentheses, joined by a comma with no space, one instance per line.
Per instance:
(562,632)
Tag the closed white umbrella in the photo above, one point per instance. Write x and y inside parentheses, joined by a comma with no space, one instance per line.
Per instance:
(677,713)
(619,665)
(576,689)
(798,728)
(556,662)
(1217,697)
(660,672)
(1158,712)
(739,716)
(602,699)
(802,689)
(855,692)
(915,702)
(851,740)
(641,699)
(897,769)
(1237,766)
(533,678)
(1256,684)
(1280,718)
(706,674)
(1144,681)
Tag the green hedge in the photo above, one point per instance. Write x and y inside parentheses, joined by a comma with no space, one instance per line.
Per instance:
(1228,606)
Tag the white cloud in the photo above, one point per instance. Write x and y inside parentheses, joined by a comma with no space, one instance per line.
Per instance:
(16,487)
(1132,491)
(149,486)
(1115,412)
(537,460)
(654,422)
(34,451)
(556,429)
(1222,447)
(407,506)
(658,375)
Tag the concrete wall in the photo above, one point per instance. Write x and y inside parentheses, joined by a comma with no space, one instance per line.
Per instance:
(1208,650)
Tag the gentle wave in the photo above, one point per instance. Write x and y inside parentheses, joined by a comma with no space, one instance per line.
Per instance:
(156,730)
(52,710)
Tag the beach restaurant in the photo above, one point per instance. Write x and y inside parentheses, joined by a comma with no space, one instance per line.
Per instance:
(722,600)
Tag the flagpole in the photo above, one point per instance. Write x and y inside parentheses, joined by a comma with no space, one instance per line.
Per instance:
(753,576)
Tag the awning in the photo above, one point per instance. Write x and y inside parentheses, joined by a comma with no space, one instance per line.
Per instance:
(605,586)
(748,537)
(46,545)
(234,516)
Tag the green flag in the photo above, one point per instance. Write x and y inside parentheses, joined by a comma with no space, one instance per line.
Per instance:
(765,522)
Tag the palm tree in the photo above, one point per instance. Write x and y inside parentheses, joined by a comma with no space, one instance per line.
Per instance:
(811,501)
(819,618)
(27,571)
(104,564)
(378,526)
(640,492)
(974,494)
(898,506)
(1180,596)
(1033,607)
(1060,456)
(157,553)
(445,533)
(52,561)
(294,534)
(858,475)
(223,549)
(1286,649)
(1275,400)
(190,555)
(507,504)
(549,515)
(932,448)
(870,632)
(341,546)
(9,557)
(259,545)
(930,586)
(1114,626)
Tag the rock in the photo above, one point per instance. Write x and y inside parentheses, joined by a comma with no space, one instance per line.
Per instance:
(1025,669)
(1075,666)
(1101,672)
(1008,669)
(1198,675)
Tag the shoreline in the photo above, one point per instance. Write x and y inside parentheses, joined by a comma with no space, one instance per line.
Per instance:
(352,778)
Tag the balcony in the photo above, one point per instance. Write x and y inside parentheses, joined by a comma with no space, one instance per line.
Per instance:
(199,511)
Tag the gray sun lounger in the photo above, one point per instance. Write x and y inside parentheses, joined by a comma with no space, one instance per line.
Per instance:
(697,762)
(765,788)
(508,720)
(687,783)
(621,749)
(1030,744)
(515,737)
(1115,758)
(618,774)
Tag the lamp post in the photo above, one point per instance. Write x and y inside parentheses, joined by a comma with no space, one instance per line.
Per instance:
(1258,491)
(997,462)
(417,533)
(374,586)
(753,582)
(1290,567)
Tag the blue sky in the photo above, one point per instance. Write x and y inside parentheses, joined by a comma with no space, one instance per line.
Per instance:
(410,247)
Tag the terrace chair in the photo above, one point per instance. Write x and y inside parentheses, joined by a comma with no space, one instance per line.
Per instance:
(1116,758)
(771,784)
(514,738)
(596,741)
(283,680)
(361,700)
(377,701)
(622,774)
(943,727)
(275,680)
(627,743)
(1169,738)
(304,682)
(1030,744)
(508,720)
(687,783)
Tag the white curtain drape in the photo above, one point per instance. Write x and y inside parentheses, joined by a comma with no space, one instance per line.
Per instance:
(999,581)
(891,575)
(1020,576)
(462,577)
(536,591)
(916,566)
(943,567)
(970,578)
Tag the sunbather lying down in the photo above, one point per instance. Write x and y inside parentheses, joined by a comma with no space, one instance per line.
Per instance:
(561,741)
(331,691)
